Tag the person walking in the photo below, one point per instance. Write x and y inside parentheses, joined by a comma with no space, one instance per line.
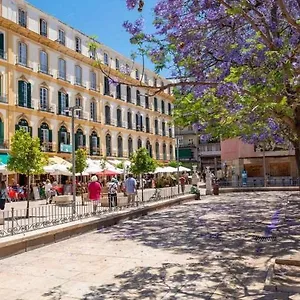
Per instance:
(182,183)
(112,193)
(130,188)
(3,195)
(94,191)
(48,191)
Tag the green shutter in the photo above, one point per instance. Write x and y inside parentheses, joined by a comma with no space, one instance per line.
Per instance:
(68,138)
(40,135)
(17,127)
(58,140)
(76,141)
(50,136)
(59,103)
(21,86)
(98,145)
(91,150)
(1,45)
(30,130)
(29,95)
(1,132)
(84,140)
(67,105)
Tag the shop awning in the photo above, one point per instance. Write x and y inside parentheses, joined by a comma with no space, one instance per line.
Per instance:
(185,153)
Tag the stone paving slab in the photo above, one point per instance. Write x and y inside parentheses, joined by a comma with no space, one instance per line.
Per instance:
(159,256)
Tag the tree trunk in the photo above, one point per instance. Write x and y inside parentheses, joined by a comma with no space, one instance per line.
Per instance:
(28,195)
(142,187)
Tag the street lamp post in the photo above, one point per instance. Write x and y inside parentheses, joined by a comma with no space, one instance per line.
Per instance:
(73,110)
(177,160)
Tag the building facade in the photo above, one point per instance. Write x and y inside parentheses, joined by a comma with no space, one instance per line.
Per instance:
(47,67)
(193,151)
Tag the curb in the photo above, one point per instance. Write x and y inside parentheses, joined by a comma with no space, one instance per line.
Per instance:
(259,189)
(53,235)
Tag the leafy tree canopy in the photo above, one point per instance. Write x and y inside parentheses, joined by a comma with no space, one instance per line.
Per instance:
(174,164)
(80,160)
(237,64)
(142,162)
(25,154)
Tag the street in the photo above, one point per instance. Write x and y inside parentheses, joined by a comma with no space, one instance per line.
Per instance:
(198,250)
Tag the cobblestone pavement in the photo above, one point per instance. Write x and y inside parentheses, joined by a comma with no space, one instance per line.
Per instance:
(198,250)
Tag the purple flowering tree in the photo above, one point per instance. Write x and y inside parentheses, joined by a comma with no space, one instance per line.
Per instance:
(235,65)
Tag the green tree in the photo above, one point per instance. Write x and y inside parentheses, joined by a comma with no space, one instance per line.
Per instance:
(80,165)
(26,158)
(174,164)
(141,163)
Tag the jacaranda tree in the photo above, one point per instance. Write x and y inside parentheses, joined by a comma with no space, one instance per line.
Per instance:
(235,63)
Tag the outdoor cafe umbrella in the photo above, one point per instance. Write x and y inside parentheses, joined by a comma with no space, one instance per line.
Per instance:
(108,173)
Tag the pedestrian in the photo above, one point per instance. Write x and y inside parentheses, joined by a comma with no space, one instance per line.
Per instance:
(130,188)
(3,195)
(112,193)
(182,183)
(94,190)
(48,191)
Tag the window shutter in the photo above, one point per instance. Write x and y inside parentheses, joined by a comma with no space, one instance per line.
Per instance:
(98,145)
(76,141)
(50,136)
(1,45)
(1,132)
(84,140)
(30,130)
(21,92)
(68,138)
(67,104)
(59,103)
(91,146)
(40,135)
(29,95)
(58,139)
(17,127)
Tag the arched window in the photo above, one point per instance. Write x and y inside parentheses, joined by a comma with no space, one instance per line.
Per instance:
(169,109)
(93,112)
(162,106)
(141,123)
(156,127)
(120,146)
(171,152)
(118,91)
(2,48)
(24,94)
(78,75)
(119,117)
(130,146)
(22,54)
(147,124)
(128,93)
(23,124)
(106,86)
(147,102)
(139,144)
(137,122)
(155,104)
(45,136)
(129,120)
(170,132)
(157,154)
(163,127)
(164,151)
(63,103)
(1,133)
(108,144)
(94,144)
(43,67)
(64,140)
(44,96)
(149,147)
(138,98)
(62,69)
(107,115)
(80,140)
(78,102)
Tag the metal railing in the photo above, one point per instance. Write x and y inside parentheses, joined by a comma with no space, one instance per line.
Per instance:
(3,54)
(14,220)
(44,69)
(3,99)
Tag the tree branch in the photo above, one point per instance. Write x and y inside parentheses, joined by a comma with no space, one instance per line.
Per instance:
(287,15)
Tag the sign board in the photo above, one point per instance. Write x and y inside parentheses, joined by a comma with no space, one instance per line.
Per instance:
(65,148)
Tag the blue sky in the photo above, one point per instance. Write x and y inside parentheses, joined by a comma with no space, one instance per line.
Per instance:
(103,18)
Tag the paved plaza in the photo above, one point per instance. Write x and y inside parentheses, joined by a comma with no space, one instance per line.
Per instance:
(198,250)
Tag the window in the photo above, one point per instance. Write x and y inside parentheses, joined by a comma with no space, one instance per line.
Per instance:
(139,144)
(78,102)
(155,82)
(156,126)
(162,106)
(138,98)
(155,104)
(169,90)
(43,62)
(93,85)
(164,151)
(92,52)
(141,123)
(108,145)
(147,102)
(169,109)
(170,132)
(45,136)
(63,139)
(62,74)
(78,44)
(171,153)
(147,125)
(163,126)
(93,111)
(43,98)
(24,94)
(63,103)
(94,144)
(128,94)
(137,75)
(61,37)
(146,78)
(22,17)
(129,119)
(130,147)
(22,58)
(137,122)
(120,146)
(157,154)
(149,148)
(119,117)
(80,139)
(117,64)
(107,115)
(106,86)
(43,28)
(23,124)
(105,58)
(118,91)
(78,75)
(2,49)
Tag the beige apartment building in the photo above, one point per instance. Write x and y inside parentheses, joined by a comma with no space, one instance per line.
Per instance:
(47,67)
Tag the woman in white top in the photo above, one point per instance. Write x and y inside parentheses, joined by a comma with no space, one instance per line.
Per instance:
(48,191)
